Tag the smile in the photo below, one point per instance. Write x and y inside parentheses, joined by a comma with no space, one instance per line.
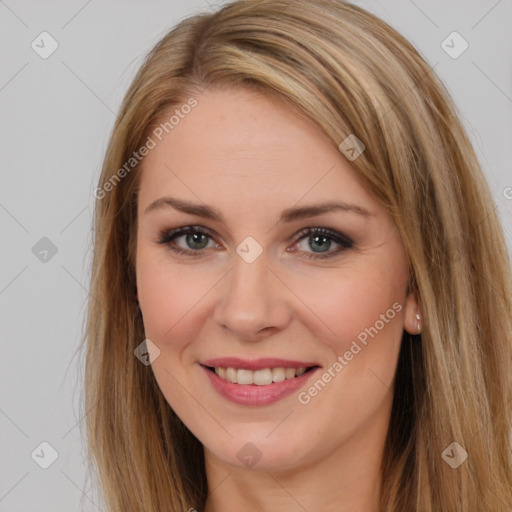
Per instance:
(262,377)
(257,383)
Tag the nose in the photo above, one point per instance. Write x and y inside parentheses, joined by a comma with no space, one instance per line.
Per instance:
(253,302)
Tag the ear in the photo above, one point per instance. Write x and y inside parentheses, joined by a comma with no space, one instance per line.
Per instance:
(411,309)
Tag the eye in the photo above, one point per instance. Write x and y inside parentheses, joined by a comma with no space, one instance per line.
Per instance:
(189,240)
(314,243)
(322,242)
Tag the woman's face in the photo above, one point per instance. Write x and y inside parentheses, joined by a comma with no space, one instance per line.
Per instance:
(283,262)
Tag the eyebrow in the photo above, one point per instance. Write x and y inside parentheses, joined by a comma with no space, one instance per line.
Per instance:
(288,215)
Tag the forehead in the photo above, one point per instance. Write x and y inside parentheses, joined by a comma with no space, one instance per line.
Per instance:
(241,146)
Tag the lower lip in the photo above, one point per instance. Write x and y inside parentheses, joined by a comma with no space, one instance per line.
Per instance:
(251,394)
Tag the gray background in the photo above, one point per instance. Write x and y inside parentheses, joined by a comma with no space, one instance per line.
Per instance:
(56,115)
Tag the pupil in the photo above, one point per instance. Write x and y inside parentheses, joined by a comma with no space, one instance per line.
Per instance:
(197,240)
(323,243)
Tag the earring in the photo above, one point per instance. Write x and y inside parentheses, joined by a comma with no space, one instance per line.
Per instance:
(419,325)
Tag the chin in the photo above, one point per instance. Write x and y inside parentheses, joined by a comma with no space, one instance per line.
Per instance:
(258,452)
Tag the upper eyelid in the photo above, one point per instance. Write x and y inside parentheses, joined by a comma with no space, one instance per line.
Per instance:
(183,230)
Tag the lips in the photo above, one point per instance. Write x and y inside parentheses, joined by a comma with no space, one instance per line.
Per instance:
(256,364)
(257,382)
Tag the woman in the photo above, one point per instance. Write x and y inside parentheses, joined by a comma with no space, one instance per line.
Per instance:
(296,242)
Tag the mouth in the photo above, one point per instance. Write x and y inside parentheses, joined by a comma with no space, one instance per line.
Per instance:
(257,383)
(261,386)
(262,377)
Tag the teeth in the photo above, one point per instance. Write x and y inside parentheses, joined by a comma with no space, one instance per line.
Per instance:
(231,375)
(243,376)
(289,373)
(278,374)
(259,377)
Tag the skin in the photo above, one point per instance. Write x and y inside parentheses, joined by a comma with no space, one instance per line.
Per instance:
(250,158)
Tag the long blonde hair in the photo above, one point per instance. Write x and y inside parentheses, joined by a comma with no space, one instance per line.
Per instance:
(350,73)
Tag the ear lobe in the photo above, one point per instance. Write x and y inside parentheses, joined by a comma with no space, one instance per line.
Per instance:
(412,310)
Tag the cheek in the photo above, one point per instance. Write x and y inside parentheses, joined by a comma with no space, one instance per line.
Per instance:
(362,321)
(365,311)
(169,296)
(348,303)
(170,299)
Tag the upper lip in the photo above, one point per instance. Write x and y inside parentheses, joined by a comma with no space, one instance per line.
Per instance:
(256,364)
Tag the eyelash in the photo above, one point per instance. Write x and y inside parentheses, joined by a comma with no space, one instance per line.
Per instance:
(167,237)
